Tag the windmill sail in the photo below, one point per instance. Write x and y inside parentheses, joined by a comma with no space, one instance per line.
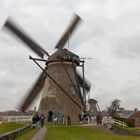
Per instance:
(9,24)
(68,33)
(35,90)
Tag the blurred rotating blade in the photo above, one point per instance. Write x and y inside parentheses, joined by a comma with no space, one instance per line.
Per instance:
(9,24)
(87,85)
(68,33)
(35,90)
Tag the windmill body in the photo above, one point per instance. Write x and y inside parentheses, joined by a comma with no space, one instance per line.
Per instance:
(63,72)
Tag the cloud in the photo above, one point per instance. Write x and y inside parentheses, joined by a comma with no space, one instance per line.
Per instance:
(109,35)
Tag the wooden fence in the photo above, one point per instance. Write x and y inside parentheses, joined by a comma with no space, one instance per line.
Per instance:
(7,119)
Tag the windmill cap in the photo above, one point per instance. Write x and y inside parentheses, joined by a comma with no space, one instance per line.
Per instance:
(63,55)
(92,101)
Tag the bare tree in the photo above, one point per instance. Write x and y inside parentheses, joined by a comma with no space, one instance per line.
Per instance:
(114,107)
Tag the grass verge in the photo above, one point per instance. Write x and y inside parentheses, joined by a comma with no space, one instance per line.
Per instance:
(79,133)
(10,127)
(27,134)
(129,129)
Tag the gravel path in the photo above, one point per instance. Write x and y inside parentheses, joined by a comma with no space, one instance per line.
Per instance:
(96,127)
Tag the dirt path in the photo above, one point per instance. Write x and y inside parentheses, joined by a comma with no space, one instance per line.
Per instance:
(96,127)
(40,134)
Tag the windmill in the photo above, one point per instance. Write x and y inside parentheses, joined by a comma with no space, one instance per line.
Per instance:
(59,80)
(93,107)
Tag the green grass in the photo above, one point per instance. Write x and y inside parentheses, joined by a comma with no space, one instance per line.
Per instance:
(134,130)
(79,133)
(130,129)
(10,127)
(26,135)
(73,132)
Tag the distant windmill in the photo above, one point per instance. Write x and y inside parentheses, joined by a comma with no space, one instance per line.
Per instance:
(93,107)
(59,80)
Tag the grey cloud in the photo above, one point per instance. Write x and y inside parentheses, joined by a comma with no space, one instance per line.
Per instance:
(109,34)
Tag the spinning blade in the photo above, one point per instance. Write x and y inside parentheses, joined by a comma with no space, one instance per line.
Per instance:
(35,90)
(80,79)
(9,24)
(68,32)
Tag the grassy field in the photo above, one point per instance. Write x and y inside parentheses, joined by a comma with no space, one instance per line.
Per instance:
(79,133)
(13,126)
(74,133)
(131,129)
(10,127)
(27,134)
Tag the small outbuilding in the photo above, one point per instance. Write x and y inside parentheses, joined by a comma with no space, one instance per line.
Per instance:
(136,117)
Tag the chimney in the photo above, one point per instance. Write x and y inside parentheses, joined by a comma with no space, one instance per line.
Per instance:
(135,110)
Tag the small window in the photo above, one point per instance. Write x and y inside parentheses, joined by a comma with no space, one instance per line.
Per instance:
(54,92)
(72,92)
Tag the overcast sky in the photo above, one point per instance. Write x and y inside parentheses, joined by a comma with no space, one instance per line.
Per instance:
(109,34)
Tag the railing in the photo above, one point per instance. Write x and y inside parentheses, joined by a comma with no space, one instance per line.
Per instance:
(121,123)
(17,119)
(12,134)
